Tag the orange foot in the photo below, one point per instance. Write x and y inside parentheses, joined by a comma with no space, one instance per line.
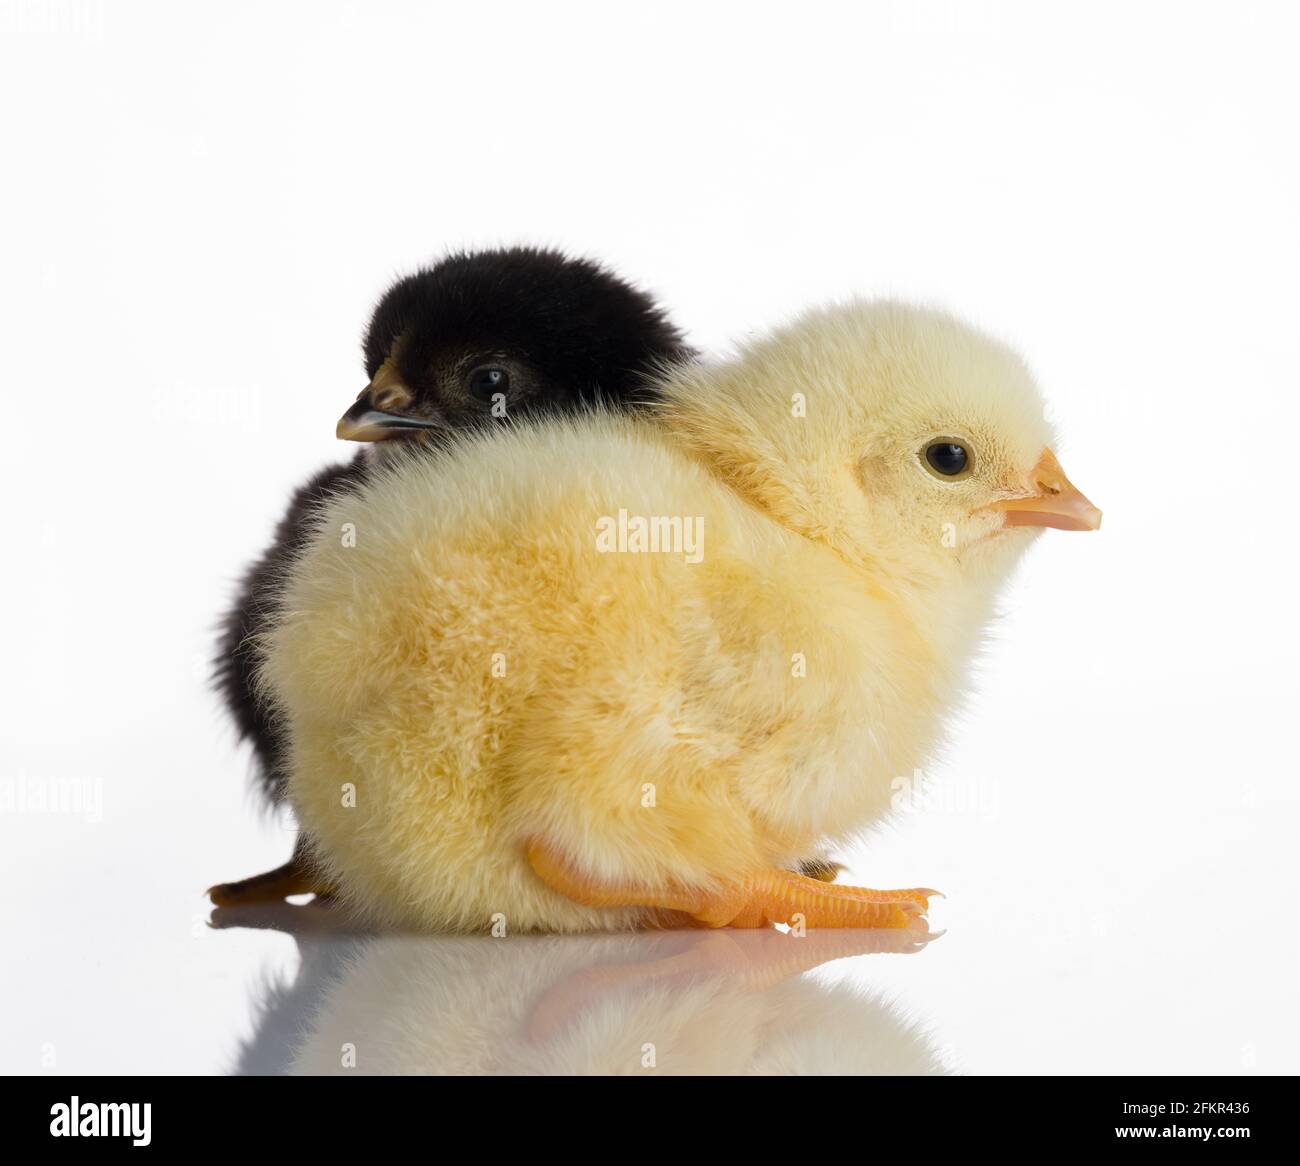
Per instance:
(295,877)
(766,897)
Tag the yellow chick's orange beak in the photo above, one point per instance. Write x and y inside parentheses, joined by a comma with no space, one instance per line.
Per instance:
(1057,502)
(375,416)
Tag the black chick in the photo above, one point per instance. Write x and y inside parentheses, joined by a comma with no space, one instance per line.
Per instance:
(478,338)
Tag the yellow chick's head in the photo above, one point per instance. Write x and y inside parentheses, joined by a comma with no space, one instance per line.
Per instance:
(888,431)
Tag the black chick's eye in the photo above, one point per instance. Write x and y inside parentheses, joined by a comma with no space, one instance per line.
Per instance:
(486,381)
(947,458)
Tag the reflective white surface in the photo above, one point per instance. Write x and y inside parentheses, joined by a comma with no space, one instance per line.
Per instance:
(1147,946)
(672,1002)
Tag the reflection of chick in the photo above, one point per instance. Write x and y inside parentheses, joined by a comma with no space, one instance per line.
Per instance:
(490,715)
(634,1005)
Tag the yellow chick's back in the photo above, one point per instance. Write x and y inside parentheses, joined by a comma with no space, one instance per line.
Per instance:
(476,657)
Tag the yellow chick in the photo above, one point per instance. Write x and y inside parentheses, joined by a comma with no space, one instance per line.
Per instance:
(611,672)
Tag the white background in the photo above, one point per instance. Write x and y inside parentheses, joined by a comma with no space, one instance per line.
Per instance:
(200,205)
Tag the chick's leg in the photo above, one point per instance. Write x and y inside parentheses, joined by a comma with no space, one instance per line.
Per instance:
(770,896)
(295,877)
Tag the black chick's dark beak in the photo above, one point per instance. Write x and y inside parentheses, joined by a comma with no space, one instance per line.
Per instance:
(367,421)
(364,423)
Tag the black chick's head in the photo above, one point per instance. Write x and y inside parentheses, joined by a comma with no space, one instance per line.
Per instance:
(490,335)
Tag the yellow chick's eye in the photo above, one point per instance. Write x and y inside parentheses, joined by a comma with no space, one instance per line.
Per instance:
(949,459)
